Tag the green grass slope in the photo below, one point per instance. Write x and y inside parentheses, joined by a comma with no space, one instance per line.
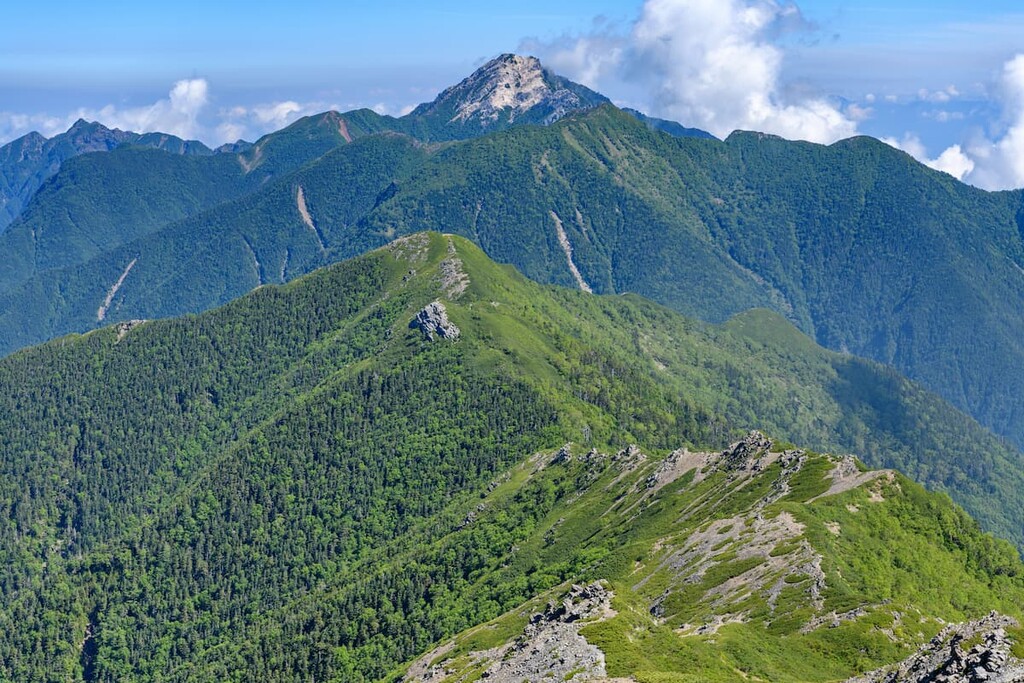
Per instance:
(758,563)
(858,244)
(301,485)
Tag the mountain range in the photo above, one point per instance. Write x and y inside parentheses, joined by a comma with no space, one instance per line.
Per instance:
(303,426)
(860,246)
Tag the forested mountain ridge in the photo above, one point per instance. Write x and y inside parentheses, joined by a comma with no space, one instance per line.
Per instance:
(97,202)
(857,243)
(304,483)
(863,247)
(27,162)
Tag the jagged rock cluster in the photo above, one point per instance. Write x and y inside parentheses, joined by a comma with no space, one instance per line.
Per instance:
(433,322)
(550,647)
(975,652)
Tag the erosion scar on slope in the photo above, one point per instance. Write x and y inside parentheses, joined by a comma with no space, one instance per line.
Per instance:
(563,239)
(101,312)
(343,130)
(300,201)
(255,261)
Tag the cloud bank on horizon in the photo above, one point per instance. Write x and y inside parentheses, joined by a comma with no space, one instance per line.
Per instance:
(185,112)
(718,64)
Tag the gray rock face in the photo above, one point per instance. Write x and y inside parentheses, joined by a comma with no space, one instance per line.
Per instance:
(506,90)
(975,652)
(433,322)
(550,648)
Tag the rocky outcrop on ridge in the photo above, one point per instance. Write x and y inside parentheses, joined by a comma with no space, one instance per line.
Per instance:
(549,648)
(433,321)
(975,652)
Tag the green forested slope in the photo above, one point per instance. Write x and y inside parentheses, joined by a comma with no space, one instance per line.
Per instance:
(856,243)
(287,487)
(27,162)
(205,261)
(98,202)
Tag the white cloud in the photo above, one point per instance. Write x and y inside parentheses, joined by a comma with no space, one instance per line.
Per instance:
(991,163)
(585,58)
(952,161)
(947,94)
(250,123)
(385,109)
(185,112)
(279,113)
(14,125)
(999,162)
(943,116)
(911,144)
(177,115)
(713,64)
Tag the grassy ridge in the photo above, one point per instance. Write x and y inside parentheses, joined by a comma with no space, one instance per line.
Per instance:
(290,486)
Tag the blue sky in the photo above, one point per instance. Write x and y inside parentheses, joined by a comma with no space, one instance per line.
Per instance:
(927,76)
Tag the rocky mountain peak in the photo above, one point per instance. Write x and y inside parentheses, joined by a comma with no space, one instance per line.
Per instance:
(510,88)
(510,82)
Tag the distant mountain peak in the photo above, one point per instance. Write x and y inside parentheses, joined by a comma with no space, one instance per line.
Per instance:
(509,82)
(509,89)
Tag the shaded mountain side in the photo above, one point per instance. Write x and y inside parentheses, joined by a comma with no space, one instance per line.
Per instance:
(289,228)
(306,484)
(26,163)
(98,202)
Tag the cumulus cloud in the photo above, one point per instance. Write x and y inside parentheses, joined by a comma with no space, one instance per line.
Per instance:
(952,161)
(859,113)
(251,122)
(999,161)
(14,125)
(178,114)
(714,64)
(947,94)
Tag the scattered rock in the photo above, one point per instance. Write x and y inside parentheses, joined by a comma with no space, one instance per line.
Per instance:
(745,454)
(549,648)
(563,456)
(413,249)
(433,320)
(947,658)
(125,327)
(453,279)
